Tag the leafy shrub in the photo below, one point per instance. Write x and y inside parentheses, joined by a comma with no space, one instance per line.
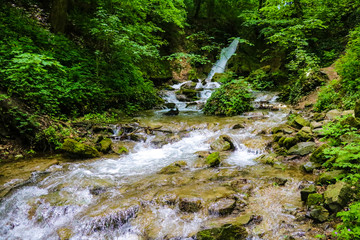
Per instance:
(230,99)
(350,229)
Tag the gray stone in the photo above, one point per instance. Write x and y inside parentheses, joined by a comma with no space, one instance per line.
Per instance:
(302,148)
(332,114)
(304,193)
(319,214)
(309,167)
(337,196)
(222,207)
(315,125)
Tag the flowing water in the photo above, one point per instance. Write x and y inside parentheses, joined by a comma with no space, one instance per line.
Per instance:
(128,197)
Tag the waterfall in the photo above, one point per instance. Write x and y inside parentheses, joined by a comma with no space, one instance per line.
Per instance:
(226,53)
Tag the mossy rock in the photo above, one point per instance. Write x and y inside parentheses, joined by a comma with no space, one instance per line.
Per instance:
(105,145)
(278,136)
(330,177)
(288,142)
(299,122)
(122,150)
(173,168)
(315,199)
(319,214)
(351,121)
(318,156)
(76,149)
(305,134)
(213,160)
(268,159)
(226,232)
(304,193)
(190,205)
(223,143)
(302,148)
(337,196)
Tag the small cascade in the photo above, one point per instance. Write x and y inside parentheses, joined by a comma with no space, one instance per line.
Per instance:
(226,53)
(204,89)
(116,132)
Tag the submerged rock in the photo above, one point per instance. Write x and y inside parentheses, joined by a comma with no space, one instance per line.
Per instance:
(173,168)
(226,232)
(76,149)
(302,148)
(223,143)
(222,207)
(190,204)
(64,233)
(337,196)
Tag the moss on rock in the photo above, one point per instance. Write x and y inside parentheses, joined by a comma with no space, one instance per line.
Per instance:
(213,160)
(105,145)
(226,232)
(318,156)
(76,149)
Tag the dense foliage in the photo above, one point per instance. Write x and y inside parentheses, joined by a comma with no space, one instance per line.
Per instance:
(232,98)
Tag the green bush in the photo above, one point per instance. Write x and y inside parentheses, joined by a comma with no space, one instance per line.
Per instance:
(350,228)
(230,99)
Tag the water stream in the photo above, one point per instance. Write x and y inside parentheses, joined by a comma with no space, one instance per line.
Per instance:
(127,197)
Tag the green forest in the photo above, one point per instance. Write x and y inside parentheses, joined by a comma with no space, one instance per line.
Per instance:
(68,62)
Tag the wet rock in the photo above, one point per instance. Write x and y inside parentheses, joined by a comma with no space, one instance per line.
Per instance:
(318,156)
(64,233)
(332,114)
(305,134)
(278,136)
(190,205)
(97,190)
(105,145)
(137,138)
(223,143)
(319,214)
(309,167)
(170,105)
(189,85)
(76,149)
(307,191)
(213,160)
(172,112)
(222,207)
(302,148)
(282,129)
(237,126)
(226,232)
(268,159)
(175,167)
(122,150)
(244,219)
(279,181)
(337,196)
(314,199)
(299,122)
(357,109)
(329,177)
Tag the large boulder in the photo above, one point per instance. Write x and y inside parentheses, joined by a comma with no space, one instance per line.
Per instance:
(288,141)
(75,149)
(226,232)
(318,156)
(302,148)
(337,196)
(223,143)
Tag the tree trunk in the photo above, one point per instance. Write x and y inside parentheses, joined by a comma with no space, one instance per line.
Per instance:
(58,15)
(197,8)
